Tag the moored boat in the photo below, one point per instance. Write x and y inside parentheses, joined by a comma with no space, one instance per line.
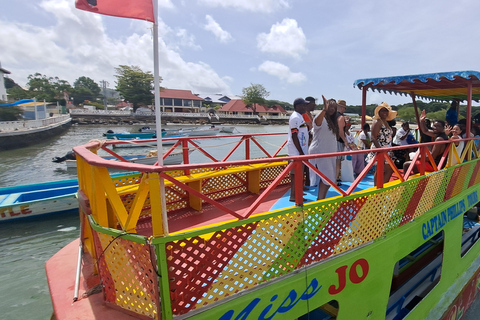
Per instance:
(202,132)
(130,135)
(40,199)
(227,129)
(149,159)
(19,134)
(220,240)
(138,143)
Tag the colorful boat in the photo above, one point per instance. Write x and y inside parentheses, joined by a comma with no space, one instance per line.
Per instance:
(220,240)
(130,135)
(40,199)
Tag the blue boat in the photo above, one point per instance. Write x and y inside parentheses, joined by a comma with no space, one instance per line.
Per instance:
(26,201)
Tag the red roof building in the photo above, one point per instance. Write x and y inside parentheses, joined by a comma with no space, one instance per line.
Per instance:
(238,107)
(175,100)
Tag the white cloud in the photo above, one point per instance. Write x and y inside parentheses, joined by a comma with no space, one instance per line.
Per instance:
(76,43)
(249,5)
(212,26)
(165,4)
(282,72)
(285,38)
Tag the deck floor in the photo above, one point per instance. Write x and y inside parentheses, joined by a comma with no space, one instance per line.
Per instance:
(188,219)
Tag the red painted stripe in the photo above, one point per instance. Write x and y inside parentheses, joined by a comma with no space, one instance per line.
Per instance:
(414,201)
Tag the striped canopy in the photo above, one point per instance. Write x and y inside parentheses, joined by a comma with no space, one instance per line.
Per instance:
(443,86)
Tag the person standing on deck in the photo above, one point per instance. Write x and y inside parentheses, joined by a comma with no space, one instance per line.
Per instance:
(452,114)
(297,144)
(308,117)
(358,160)
(341,139)
(325,132)
(382,135)
(438,134)
(364,138)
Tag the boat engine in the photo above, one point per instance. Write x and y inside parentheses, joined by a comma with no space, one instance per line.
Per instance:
(70,155)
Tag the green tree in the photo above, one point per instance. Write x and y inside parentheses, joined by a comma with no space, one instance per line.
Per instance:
(135,85)
(254,95)
(85,88)
(10,113)
(15,92)
(50,89)
(407,114)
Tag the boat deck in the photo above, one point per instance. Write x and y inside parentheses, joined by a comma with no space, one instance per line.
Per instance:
(188,219)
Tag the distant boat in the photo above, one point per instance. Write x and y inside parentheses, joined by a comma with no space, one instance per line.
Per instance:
(168,132)
(129,135)
(149,159)
(137,143)
(193,132)
(229,129)
(19,134)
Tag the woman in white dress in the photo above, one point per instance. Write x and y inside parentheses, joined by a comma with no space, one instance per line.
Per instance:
(325,133)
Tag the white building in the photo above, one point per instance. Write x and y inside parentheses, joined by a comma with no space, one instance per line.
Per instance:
(3,90)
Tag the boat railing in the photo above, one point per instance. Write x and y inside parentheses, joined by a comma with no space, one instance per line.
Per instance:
(190,179)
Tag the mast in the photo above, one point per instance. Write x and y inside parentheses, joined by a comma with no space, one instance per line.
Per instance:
(158,118)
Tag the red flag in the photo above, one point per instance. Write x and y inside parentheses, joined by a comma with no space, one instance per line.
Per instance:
(135,9)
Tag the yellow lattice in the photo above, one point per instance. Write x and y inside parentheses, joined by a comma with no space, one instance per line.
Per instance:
(129,268)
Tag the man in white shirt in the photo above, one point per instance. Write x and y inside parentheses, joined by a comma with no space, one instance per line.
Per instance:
(297,143)
(402,134)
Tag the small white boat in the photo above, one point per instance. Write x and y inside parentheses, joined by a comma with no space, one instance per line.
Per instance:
(229,129)
(167,132)
(137,143)
(149,159)
(192,132)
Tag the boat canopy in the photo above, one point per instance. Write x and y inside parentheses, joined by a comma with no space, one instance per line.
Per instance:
(18,103)
(442,86)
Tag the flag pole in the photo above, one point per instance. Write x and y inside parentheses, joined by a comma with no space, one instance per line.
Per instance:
(158,117)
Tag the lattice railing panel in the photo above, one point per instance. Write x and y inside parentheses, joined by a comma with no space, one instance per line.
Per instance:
(195,263)
(128,274)
(225,186)
(269,174)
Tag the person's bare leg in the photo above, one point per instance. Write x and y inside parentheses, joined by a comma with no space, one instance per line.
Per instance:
(322,190)
(339,168)
(292,187)
(388,171)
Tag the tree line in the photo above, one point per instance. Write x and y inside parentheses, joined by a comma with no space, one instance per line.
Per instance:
(133,84)
(136,86)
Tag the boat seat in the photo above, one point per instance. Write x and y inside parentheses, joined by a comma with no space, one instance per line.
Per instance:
(208,175)
(9,199)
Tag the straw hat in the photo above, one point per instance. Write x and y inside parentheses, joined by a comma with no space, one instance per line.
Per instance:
(391,113)
(342,103)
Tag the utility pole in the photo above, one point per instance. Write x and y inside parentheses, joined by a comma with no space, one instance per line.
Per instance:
(104,86)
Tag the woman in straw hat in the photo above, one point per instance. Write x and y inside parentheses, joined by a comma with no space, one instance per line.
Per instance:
(382,134)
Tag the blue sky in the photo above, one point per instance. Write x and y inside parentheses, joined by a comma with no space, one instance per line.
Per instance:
(294,48)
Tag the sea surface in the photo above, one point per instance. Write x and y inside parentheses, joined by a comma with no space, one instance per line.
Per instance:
(26,245)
